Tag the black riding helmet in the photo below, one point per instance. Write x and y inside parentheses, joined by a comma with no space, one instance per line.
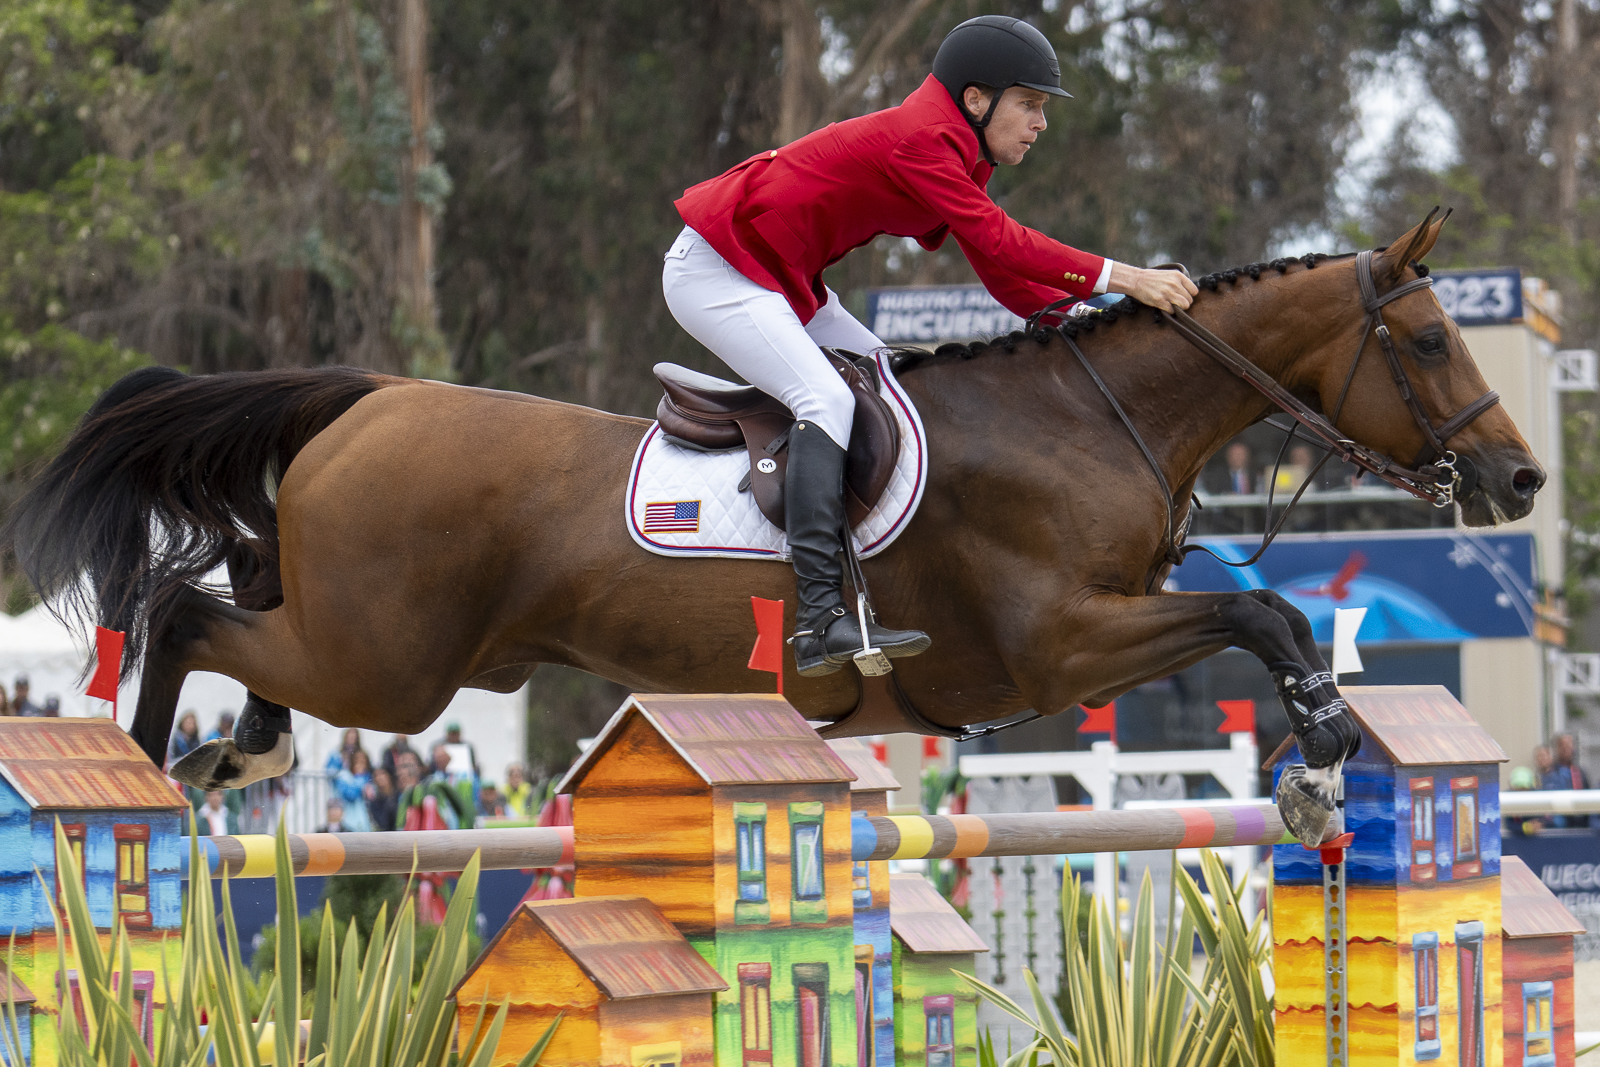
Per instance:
(997,52)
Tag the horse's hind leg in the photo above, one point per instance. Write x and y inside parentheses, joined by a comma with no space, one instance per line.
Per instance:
(261,745)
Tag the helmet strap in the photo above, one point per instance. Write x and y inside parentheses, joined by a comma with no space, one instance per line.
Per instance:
(979,125)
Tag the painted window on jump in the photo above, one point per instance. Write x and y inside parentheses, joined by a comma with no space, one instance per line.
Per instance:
(940,1019)
(864,1010)
(755,1012)
(1425,958)
(75,833)
(805,863)
(750,838)
(814,1043)
(1469,992)
(1464,793)
(1538,1024)
(860,885)
(133,874)
(1424,862)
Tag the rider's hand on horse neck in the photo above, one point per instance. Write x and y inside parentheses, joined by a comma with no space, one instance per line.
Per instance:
(1169,290)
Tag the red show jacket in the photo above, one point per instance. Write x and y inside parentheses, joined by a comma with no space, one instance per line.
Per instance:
(915,170)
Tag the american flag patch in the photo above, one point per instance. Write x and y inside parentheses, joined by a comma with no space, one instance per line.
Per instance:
(678,516)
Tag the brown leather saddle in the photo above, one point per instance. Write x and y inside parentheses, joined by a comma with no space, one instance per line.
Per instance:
(712,415)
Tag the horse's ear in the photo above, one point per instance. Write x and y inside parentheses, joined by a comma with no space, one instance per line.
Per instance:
(1390,263)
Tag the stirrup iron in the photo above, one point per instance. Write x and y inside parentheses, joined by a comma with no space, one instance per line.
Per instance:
(871,662)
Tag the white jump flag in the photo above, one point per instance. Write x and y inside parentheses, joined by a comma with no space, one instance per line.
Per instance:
(1346,660)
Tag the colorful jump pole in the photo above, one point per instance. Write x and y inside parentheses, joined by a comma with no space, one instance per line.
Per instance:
(1055,833)
(898,837)
(501,848)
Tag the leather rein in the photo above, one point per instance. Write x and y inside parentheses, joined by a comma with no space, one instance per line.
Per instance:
(1436,474)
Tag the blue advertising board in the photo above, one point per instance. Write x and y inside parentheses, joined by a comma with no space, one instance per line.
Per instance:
(1480,297)
(1438,587)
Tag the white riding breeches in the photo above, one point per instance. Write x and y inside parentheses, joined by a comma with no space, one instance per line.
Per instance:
(754,330)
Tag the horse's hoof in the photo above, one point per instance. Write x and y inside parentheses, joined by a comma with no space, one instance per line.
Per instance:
(220,764)
(1305,801)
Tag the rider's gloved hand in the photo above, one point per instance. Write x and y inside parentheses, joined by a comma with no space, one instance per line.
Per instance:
(1168,290)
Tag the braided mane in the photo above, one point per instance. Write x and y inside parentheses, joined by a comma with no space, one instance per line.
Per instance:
(908,358)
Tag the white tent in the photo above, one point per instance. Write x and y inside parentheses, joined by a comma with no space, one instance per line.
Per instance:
(36,643)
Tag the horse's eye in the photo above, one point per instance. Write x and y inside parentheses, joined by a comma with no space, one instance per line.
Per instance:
(1430,345)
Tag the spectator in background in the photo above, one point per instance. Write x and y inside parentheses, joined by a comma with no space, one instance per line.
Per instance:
(461,752)
(391,755)
(185,739)
(349,745)
(1522,780)
(519,794)
(1566,763)
(1240,480)
(335,823)
(1544,766)
(490,803)
(415,789)
(447,770)
(382,799)
(20,704)
(52,707)
(215,816)
(224,728)
(5,702)
(352,784)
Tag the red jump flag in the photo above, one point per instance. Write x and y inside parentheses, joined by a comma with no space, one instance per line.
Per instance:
(1101,720)
(768,653)
(1240,716)
(107,667)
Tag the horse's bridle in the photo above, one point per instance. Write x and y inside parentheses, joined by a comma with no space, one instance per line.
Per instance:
(1436,475)
(1439,483)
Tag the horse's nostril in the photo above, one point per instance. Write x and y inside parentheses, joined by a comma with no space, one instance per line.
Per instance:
(1527,480)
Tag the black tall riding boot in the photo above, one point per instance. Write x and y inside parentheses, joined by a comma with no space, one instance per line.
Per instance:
(827,633)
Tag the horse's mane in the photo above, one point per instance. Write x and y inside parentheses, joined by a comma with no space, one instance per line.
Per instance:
(909,358)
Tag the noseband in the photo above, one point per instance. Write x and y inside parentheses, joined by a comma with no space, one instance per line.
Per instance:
(1436,474)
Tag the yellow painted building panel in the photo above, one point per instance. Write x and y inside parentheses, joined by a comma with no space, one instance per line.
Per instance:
(1372,913)
(1296,913)
(1372,1037)
(1371,979)
(1297,973)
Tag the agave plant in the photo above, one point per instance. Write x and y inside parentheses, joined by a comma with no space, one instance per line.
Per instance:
(1137,1001)
(365,1010)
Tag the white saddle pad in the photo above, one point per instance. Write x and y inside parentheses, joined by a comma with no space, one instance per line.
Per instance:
(681,502)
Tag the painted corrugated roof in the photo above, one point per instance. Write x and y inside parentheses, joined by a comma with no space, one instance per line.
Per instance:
(1527,907)
(925,921)
(81,763)
(626,946)
(1416,725)
(871,776)
(727,739)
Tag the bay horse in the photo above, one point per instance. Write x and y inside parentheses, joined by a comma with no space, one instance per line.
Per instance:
(391,541)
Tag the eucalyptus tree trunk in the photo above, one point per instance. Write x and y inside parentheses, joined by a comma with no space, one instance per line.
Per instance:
(416,252)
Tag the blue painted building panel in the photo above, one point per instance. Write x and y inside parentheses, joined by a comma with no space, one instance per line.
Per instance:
(100,863)
(17,883)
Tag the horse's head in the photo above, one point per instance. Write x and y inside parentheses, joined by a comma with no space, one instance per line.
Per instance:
(1499,475)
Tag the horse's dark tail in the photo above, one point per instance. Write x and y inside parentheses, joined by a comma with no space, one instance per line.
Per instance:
(164,476)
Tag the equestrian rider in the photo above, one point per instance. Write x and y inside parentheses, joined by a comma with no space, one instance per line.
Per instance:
(745,275)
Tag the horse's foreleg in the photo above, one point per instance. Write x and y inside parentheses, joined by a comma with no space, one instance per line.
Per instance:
(1119,642)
